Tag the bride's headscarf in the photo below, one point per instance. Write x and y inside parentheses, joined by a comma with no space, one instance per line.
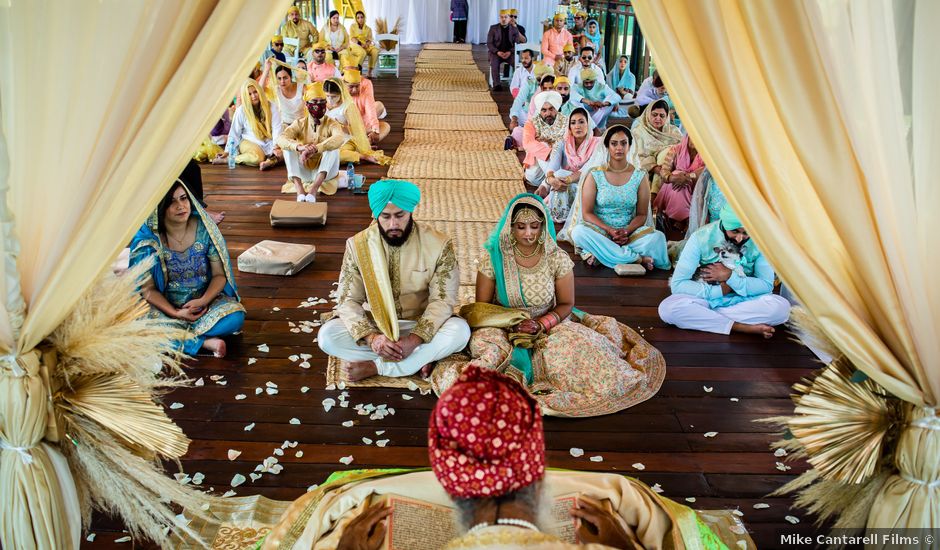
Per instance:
(599,161)
(260,125)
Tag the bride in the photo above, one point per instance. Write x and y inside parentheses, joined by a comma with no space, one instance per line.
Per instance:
(526,325)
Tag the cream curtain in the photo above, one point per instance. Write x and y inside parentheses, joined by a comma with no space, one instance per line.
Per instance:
(102,103)
(818,117)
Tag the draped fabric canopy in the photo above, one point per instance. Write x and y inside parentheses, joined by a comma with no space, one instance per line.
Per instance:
(102,103)
(819,120)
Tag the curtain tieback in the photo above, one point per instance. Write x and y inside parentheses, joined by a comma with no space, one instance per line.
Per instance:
(928,484)
(929,422)
(10,360)
(25,456)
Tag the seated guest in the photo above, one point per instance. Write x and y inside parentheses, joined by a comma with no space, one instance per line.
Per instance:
(554,40)
(651,89)
(301,29)
(682,170)
(705,208)
(621,79)
(191,177)
(348,62)
(311,147)
(563,168)
(514,21)
(276,49)
(341,108)
(586,63)
(525,325)
(501,42)
(654,136)
(541,133)
(564,64)
(252,132)
(563,87)
(596,97)
(709,295)
(521,109)
(523,72)
(335,36)
(410,323)
(594,38)
(288,94)
(376,130)
(579,28)
(361,34)
(218,136)
(320,68)
(611,224)
(191,283)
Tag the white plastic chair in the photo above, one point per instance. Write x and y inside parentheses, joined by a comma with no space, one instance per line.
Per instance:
(393,53)
(295,42)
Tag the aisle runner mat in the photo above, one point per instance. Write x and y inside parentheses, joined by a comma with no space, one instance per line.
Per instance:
(440,164)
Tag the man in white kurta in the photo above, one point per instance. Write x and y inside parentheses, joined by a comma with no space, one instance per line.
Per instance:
(407,273)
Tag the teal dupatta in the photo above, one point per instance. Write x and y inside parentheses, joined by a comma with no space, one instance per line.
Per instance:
(498,246)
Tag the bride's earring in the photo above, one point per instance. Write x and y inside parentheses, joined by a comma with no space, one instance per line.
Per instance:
(541,239)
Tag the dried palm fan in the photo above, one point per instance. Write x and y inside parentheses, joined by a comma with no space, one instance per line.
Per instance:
(381,27)
(113,363)
(841,425)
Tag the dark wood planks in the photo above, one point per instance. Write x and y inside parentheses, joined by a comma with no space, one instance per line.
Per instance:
(735,469)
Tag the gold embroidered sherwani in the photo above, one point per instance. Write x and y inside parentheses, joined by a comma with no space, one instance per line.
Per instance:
(424,281)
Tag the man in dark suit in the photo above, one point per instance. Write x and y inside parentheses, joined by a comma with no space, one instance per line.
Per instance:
(501,42)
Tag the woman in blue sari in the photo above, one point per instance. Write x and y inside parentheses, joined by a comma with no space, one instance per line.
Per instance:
(191,281)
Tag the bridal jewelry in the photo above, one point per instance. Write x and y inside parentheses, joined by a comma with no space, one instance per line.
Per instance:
(523,254)
(517,523)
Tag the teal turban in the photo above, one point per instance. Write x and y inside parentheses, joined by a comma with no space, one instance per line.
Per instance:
(403,194)
(729,220)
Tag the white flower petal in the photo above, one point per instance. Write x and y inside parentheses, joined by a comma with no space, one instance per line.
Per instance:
(347,460)
(576,452)
(597,458)
(199,383)
(237,480)
(761,506)
(708,389)
(657,488)
(348,424)
(299,454)
(367,441)
(295,421)
(250,427)
(690,499)
(122,539)
(233,454)
(254,477)
(407,397)
(792,519)
(710,434)
(639,466)
(382,442)
(304,389)
(252,360)
(263,348)
(780,452)
(229,493)
(176,405)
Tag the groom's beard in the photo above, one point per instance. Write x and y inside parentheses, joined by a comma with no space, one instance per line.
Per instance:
(399,238)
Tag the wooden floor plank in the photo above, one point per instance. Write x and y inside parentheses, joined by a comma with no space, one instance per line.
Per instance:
(736,468)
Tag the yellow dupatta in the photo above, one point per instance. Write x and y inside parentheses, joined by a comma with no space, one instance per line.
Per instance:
(354,126)
(261,127)
(373,266)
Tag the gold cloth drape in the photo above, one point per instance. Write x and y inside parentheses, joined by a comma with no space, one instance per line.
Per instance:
(102,105)
(819,120)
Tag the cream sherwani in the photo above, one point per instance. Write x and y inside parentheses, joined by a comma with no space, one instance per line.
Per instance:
(424,281)
(328,136)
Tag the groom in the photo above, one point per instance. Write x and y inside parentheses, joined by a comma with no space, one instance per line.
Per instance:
(407,273)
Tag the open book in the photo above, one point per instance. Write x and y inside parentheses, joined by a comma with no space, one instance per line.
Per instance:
(418,525)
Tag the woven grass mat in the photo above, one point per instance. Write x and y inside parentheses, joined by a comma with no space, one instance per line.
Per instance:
(438,108)
(471,123)
(468,242)
(446,46)
(459,60)
(454,65)
(453,96)
(445,84)
(465,200)
(436,139)
(468,72)
(334,375)
(467,165)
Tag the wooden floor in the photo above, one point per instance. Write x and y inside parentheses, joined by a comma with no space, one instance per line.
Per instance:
(713,382)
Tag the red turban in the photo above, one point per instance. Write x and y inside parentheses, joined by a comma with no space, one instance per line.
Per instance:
(485,437)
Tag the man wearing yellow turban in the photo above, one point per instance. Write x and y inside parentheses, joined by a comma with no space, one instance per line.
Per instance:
(723,283)
(311,148)
(321,68)
(407,272)
(554,40)
(276,49)
(595,96)
(514,21)
(501,42)
(586,58)
(349,62)
(567,61)
(361,35)
(301,29)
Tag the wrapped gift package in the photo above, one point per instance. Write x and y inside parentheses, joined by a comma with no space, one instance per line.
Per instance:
(276,258)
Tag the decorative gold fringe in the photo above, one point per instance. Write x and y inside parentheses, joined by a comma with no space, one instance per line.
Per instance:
(381,27)
(842,425)
(113,364)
